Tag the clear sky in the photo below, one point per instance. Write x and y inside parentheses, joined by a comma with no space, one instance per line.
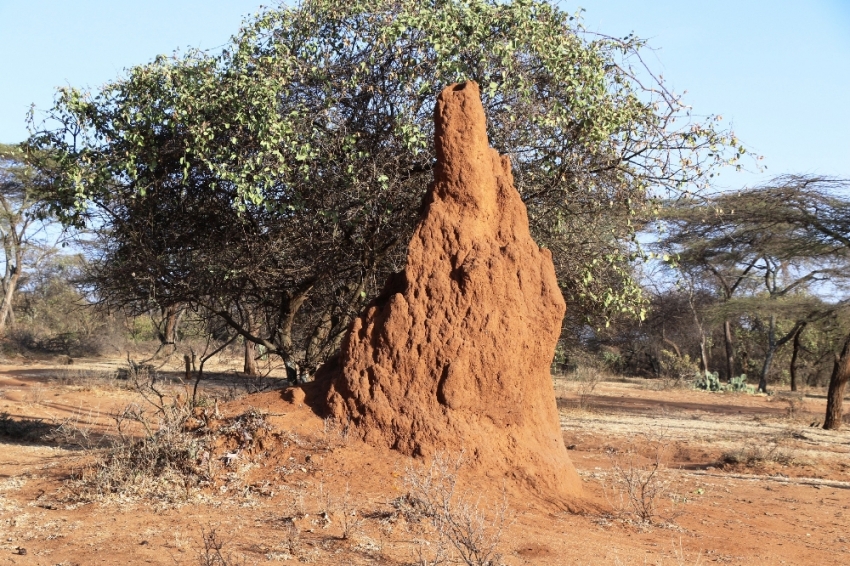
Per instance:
(778,70)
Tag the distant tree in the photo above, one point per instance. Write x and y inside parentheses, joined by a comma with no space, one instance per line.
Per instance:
(24,233)
(837,387)
(771,250)
(282,178)
(823,206)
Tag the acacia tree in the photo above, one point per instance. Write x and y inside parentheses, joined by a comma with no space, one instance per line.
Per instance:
(823,207)
(770,250)
(23,231)
(283,176)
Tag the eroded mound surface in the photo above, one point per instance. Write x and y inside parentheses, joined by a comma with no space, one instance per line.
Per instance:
(455,354)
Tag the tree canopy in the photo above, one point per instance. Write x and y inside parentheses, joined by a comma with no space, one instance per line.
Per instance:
(775,253)
(279,180)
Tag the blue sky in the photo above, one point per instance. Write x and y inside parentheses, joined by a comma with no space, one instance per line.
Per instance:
(779,71)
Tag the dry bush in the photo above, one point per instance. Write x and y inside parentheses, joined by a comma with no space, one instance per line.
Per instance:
(769,450)
(167,462)
(350,520)
(165,449)
(70,431)
(639,484)
(336,434)
(76,431)
(155,452)
(35,394)
(586,378)
(464,532)
(24,429)
(212,552)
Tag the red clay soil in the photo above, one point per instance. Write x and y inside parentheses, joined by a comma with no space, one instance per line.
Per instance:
(455,353)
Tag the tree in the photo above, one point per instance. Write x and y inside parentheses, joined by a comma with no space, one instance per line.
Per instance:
(771,250)
(283,176)
(837,386)
(23,231)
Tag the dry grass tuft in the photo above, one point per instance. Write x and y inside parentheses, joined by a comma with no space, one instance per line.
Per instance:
(770,450)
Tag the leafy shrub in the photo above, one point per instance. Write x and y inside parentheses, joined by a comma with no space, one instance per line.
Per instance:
(613,360)
(678,368)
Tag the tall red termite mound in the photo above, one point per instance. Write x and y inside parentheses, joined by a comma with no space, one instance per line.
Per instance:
(455,353)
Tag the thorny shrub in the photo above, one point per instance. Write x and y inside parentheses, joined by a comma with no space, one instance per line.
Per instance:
(212,553)
(167,459)
(165,451)
(465,533)
(639,484)
(586,379)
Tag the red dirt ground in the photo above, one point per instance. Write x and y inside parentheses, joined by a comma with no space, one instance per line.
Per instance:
(789,503)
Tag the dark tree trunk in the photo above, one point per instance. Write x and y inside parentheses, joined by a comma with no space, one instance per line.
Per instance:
(768,358)
(166,327)
(172,321)
(6,306)
(250,365)
(794,355)
(172,315)
(837,385)
(288,310)
(251,359)
(317,344)
(730,350)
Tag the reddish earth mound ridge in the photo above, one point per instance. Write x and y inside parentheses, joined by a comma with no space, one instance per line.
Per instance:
(455,353)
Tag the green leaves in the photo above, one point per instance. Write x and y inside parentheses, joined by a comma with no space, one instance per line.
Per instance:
(327,106)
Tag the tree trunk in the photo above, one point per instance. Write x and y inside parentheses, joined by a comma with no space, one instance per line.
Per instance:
(288,311)
(172,315)
(768,358)
(730,350)
(6,307)
(837,385)
(670,343)
(250,365)
(794,354)
(315,346)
